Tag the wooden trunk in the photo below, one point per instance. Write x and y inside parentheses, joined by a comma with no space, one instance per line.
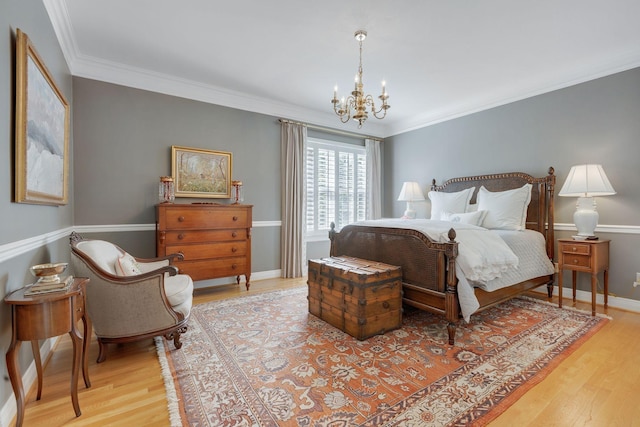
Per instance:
(360,297)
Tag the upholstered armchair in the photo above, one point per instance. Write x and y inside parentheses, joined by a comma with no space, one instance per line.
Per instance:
(129,298)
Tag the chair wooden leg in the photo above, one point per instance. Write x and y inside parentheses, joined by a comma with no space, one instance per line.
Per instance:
(102,354)
(175,336)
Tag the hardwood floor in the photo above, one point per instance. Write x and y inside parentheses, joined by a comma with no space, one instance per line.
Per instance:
(598,385)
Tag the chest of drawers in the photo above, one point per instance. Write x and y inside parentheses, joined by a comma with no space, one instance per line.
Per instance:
(215,239)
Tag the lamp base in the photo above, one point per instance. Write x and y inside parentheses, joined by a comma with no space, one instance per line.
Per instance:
(586,217)
(584,237)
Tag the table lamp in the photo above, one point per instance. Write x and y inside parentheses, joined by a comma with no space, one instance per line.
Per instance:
(585,182)
(410,193)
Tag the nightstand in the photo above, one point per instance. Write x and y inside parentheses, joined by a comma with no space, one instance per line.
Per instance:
(589,256)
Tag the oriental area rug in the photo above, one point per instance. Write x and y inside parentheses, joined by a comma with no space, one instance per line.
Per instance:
(263,360)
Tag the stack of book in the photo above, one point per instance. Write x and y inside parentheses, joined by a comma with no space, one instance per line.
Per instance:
(39,288)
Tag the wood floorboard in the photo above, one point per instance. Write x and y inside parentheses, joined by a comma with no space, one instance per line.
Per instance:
(598,385)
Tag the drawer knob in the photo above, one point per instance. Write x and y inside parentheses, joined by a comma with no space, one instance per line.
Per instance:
(234,249)
(234,234)
(575,261)
(385,304)
(574,249)
(180,236)
(234,266)
(235,218)
(180,218)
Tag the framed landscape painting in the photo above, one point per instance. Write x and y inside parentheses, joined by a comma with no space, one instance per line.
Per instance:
(201,173)
(42,131)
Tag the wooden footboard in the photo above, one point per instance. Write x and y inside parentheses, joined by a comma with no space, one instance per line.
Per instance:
(428,267)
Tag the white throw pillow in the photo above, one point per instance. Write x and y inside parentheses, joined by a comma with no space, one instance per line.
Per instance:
(473,218)
(126,265)
(506,210)
(449,202)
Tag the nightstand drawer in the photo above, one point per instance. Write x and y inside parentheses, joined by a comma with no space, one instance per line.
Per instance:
(577,260)
(575,248)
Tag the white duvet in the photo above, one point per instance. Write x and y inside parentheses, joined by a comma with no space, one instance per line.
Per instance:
(490,259)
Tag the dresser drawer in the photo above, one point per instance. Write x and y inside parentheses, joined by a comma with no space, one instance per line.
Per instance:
(194,218)
(575,248)
(201,270)
(210,250)
(200,236)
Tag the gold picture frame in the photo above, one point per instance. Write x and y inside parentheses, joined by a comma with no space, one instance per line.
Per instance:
(42,131)
(201,173)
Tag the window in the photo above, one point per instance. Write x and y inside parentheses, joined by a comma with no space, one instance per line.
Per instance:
(336,185)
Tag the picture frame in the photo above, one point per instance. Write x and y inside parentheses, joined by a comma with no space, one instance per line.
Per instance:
(42,131)
(199,172)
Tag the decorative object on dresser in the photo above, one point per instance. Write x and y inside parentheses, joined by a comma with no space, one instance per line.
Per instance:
(410,193)
(42,130)
(215,239)
(236,192)
(201,173)
(44,316)
(129,298)
(588,256)
(360,297)
(431,277)
(166,190)
(585,182)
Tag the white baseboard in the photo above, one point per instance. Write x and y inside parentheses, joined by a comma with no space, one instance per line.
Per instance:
(585,296)
(10,409)
(260,275)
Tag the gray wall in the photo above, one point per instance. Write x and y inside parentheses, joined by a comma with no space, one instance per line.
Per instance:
(593,122)
(123,145)
(24,221)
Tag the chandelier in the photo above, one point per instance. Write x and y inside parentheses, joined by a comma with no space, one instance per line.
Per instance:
(356,105)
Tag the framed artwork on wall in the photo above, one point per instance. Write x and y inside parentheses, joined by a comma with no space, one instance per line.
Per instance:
(201,173)
(42,131)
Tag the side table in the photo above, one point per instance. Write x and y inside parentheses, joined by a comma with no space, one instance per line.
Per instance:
(44,316)
(589,256)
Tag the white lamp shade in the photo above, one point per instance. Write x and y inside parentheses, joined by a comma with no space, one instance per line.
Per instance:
(410,192)
(586,181)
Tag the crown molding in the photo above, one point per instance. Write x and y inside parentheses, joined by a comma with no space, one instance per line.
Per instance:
(624,62)
(112,72)
(121,74)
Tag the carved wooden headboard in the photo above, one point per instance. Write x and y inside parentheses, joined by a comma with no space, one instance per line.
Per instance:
(540,212)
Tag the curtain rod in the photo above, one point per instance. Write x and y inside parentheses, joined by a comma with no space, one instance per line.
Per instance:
(329,130)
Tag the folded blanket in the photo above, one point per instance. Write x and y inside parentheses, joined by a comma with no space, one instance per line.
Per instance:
(482,254)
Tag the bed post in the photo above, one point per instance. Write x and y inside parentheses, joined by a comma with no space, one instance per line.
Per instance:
(332,235)
(551,241)
(452,306)
(551,182)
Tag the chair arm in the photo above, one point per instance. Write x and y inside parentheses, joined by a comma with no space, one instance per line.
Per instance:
(171,269)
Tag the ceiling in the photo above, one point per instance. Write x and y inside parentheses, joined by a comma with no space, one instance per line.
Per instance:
(440,59)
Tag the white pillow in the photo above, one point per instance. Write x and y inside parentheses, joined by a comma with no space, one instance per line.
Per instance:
(449,202)
(126,265)
(506,210)
(474,218)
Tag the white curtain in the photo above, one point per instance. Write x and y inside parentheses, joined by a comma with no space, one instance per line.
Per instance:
(374,179)
(292,242)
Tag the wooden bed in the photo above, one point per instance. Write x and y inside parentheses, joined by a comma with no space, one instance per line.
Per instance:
(428,267)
